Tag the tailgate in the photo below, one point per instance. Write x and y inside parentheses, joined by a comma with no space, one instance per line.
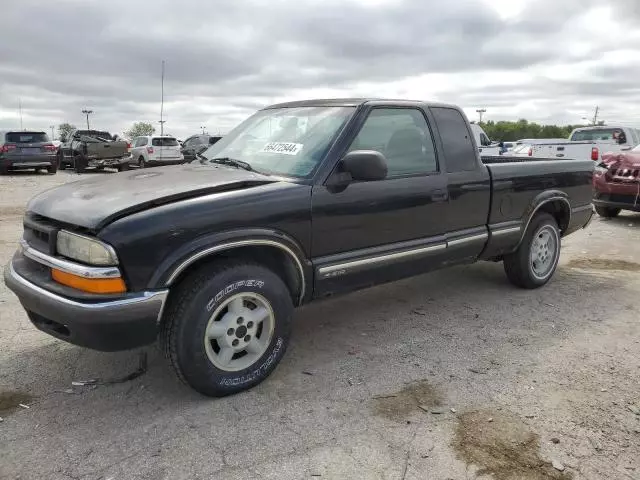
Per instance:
(101,150)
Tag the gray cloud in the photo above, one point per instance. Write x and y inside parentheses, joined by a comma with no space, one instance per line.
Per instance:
(227,59)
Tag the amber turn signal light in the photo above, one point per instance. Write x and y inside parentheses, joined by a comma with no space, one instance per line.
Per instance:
(89,285)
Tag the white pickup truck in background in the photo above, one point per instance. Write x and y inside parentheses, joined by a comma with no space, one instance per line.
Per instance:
(590,142)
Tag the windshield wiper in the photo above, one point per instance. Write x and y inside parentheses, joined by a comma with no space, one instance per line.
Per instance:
(232,162)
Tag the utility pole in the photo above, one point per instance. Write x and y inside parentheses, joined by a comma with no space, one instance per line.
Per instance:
(480,112)
(162,101)
(53,136)
(87,113)
(595,116)
(20,108)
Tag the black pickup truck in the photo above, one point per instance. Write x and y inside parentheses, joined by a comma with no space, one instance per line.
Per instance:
(301,201)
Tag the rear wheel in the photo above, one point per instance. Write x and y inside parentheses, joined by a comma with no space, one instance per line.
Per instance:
(226,327)
(61,164)
(79,164)
(608,212)
(4,170)
(123,167)
(52,169)
(534,262)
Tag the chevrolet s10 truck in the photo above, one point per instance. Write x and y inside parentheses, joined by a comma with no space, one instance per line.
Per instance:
(301,201)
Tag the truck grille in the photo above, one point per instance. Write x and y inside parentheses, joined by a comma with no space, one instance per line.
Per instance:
(40,233)
(624,175)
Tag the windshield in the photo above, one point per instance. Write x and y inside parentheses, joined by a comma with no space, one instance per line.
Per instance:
(164,142)
(283,141)
(602,134)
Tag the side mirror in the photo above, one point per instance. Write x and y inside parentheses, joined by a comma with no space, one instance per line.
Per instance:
(365,165)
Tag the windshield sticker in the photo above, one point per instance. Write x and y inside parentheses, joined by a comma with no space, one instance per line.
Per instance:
(284,148)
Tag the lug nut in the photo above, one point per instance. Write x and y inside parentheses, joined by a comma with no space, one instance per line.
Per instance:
(231,331)
(247,338)
(240,320)
(249,324)
(235,342)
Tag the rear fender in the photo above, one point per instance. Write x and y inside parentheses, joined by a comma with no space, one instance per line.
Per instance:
(555,202)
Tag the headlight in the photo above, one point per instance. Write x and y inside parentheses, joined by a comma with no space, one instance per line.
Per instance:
(85,249)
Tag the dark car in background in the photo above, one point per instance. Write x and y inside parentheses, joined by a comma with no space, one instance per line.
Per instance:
(196,144)
(21,150)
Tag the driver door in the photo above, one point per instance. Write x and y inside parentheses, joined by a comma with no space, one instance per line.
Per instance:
(373,232)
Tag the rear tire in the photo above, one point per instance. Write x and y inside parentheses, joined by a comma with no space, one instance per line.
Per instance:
(61,164)
(227,326)
(608,212)
(535,261)
(79,164)
(52,169)
(4,170)
(123,167)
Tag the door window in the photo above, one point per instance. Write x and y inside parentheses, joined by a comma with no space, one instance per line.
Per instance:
(403,136)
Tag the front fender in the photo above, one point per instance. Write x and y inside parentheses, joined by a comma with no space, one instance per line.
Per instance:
(206,246)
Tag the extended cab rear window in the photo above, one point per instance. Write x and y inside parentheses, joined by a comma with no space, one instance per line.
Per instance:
(164,142)
(27,137)
(459,153)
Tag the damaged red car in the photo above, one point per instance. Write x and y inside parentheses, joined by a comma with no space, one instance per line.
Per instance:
(616,181)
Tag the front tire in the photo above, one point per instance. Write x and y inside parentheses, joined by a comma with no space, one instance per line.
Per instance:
(141,163)
(535,261)
(227,327)
(61,164)
(608,212)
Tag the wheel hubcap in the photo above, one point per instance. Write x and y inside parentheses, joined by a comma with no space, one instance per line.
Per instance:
(544,251)
(239,331)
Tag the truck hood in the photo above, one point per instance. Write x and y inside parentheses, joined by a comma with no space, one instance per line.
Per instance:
(95,202)
(622,160)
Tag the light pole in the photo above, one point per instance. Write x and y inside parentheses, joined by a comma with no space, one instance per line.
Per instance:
(87,113)
(53,136)
(480,112)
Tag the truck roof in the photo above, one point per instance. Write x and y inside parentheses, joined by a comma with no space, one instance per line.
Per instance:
(355,102)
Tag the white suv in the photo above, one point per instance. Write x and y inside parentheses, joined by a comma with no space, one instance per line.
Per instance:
(156,150)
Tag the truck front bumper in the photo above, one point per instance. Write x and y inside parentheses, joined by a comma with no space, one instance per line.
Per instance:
(108,325)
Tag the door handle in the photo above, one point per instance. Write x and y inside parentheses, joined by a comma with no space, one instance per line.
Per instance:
(439,195)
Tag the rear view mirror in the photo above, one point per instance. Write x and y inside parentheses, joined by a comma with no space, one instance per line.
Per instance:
(365,165)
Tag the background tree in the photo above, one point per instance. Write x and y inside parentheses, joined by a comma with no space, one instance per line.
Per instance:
(140,129)
(511,131)
(64,129)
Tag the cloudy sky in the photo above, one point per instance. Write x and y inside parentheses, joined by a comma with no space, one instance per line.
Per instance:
(551,61)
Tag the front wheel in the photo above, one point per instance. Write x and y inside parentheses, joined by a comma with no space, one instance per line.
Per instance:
(141,162)
(608,212)
(227,327)
(52,169)
(534,262)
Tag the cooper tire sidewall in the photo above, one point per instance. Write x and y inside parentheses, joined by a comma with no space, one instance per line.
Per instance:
(243,279)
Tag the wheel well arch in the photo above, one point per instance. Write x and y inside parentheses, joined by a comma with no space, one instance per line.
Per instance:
(273,255)
(558,207)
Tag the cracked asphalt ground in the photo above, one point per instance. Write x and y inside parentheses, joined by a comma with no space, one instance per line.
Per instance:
(410,380)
